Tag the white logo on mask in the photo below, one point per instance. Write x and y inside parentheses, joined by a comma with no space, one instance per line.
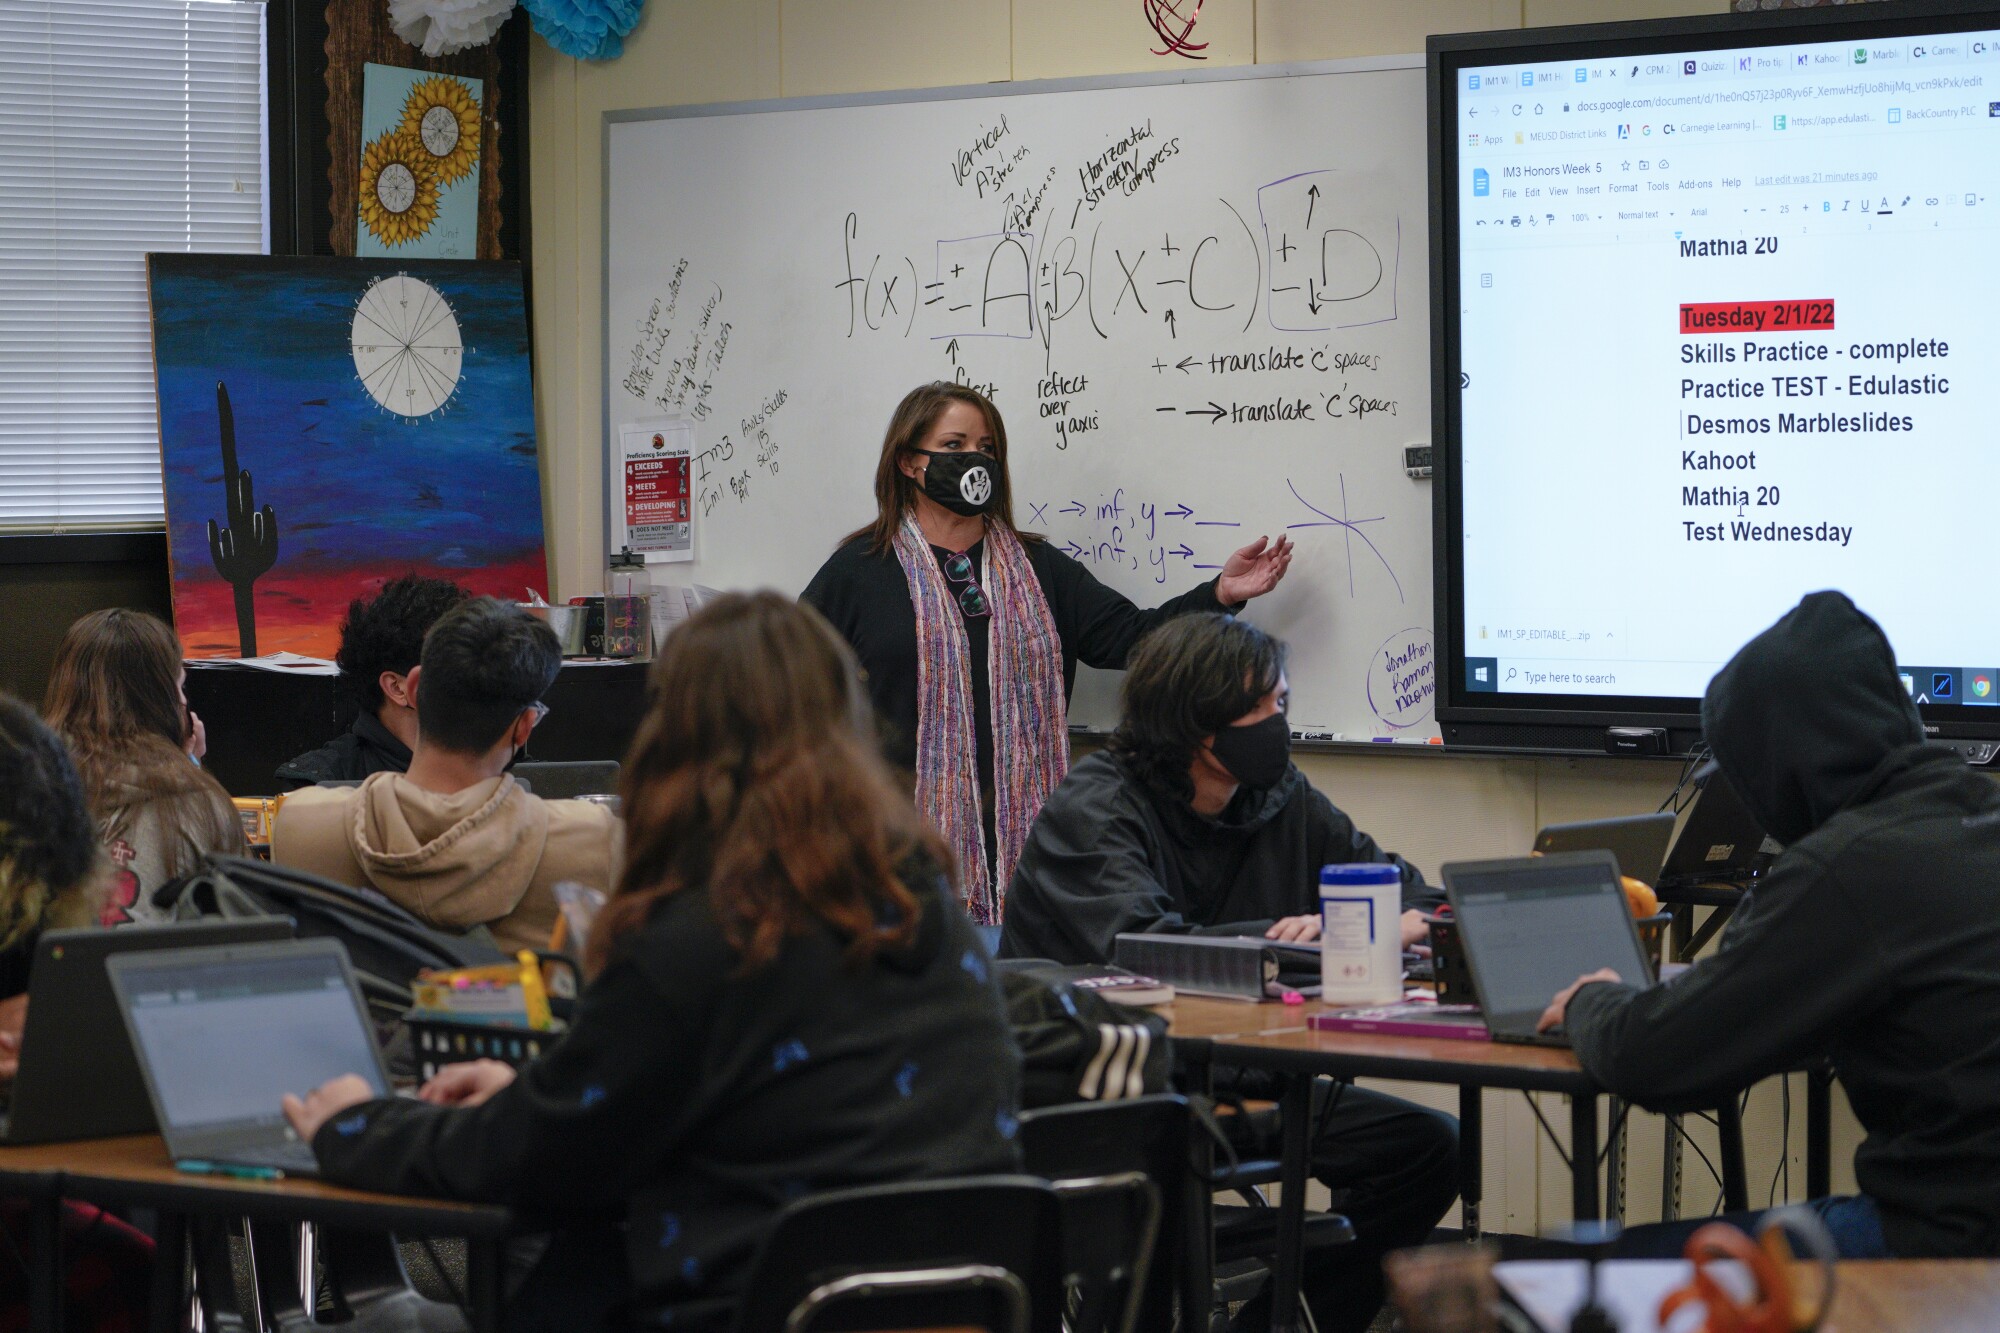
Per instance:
(976,486)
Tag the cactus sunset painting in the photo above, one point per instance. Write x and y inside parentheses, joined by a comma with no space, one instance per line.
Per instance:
(329,424)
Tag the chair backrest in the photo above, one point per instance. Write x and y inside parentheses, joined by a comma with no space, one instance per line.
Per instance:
(1110,1227)
(563,780)
(1006,1296)
(1007,1223)
(1088,1141)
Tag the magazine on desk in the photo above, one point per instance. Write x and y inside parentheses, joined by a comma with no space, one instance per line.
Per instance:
(1408,1018)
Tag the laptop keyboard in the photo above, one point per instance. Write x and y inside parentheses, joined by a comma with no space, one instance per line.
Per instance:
(292,1158)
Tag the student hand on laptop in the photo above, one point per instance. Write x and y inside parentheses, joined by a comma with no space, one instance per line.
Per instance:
(325,1102)
(1552,1017)
(467,1083)
(1305,929)
(1294,930)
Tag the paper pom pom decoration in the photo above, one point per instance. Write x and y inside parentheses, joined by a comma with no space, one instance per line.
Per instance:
(585,29)
(440,27)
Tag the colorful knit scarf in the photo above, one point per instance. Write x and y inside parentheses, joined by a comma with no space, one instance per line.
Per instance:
(1030,712)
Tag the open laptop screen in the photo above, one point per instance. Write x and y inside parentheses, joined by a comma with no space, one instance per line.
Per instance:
(1538,924)
(224,1038)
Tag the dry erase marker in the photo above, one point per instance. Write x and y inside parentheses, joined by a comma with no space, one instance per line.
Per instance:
(195,1166)
(1301,735)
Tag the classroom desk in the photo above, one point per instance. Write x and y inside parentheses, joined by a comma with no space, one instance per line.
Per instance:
(136,1171)
(40,1186)
(1275,1037)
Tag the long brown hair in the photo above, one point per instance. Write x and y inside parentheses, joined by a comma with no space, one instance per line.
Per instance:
(114,695)
(754,774)
(896,494)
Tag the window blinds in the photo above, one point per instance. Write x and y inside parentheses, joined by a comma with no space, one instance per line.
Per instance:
(126,126)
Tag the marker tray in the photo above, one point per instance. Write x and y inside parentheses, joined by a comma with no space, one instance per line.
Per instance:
(439,1042)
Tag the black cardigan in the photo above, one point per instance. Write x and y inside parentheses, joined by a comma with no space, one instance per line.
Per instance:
(867,599)
(688,1102)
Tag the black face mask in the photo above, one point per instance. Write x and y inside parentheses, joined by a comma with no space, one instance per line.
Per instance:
(964,483)
(1256,755)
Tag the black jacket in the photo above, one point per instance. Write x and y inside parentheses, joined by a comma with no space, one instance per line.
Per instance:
(1874,938)
(689,1103)
(366,747)
(866,597)
(1108,855)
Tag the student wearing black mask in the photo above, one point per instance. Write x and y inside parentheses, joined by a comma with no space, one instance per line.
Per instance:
(969,630)
(1193,820)
(1873,940)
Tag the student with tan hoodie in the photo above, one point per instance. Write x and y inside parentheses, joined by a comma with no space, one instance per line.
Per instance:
(456,840)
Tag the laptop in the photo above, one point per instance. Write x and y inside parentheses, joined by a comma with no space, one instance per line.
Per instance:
(77,1078)
(1720,842)
(1533,924)
(223,1034)
(562,780)
(1638,841)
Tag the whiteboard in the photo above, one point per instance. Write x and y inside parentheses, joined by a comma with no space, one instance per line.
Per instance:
(1200,303)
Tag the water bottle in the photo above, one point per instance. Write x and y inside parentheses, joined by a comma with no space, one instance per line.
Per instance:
(1361,934)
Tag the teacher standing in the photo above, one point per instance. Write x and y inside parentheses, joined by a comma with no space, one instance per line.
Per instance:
(970,631)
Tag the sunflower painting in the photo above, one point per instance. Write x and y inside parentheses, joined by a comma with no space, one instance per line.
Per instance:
(419,183)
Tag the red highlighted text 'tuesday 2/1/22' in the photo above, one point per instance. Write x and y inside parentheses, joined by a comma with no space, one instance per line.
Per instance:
(1755,316)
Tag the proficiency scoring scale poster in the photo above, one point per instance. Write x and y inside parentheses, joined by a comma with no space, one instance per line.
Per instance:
(655,510)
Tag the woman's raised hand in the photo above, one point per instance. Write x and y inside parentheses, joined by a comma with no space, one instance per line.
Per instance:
(1254,570)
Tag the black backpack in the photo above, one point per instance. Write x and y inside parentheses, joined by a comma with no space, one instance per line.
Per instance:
(1077,1046)
(387,945)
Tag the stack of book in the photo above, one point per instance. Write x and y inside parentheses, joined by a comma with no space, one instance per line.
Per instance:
(510,995)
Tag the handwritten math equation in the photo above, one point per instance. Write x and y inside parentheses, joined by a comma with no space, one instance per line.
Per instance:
(1311,254)
(1118,530)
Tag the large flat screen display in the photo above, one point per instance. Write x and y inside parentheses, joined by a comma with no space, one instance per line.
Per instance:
(1718,324)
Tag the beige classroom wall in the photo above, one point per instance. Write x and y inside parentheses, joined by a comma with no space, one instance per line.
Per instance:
(1431,807)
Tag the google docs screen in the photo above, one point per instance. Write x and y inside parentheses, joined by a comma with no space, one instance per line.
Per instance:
(1727,335)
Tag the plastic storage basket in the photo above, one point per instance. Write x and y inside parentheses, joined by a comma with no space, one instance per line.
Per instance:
(439,1042)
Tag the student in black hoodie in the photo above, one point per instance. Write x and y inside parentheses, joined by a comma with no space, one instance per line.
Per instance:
(786,998)
(1874,939)
(1194,820)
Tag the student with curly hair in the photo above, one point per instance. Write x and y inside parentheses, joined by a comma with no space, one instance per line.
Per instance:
(117,696)
(52,869)
(53,874)
(380,643)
